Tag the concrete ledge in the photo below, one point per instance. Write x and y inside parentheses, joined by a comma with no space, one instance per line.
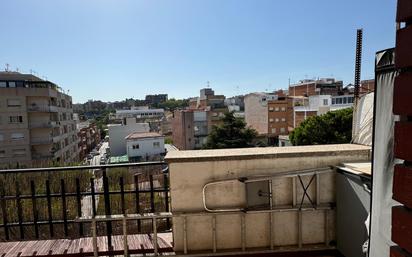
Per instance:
(265,152)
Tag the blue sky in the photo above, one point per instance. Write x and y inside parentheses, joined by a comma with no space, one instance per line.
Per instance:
(113,49)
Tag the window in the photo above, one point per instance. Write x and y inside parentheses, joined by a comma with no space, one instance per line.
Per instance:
(271,109)
(325,102)
(3,84)
(333,101)
(283,109)
(282,130)
(345,99)
(283,119)
(277,109)
(12,84)
(19,152)
(13,103)
(277,119)
(270,120)
(16,119)
(350,100)
(2,153)
(156,144)
(17,136)
(136,146)
(273,130)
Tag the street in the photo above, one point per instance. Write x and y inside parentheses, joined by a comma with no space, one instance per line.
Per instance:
(87,209)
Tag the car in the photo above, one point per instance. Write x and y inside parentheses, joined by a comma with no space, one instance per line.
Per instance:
(102,160)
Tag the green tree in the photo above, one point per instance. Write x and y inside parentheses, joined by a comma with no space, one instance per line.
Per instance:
(232,133)
(333,127)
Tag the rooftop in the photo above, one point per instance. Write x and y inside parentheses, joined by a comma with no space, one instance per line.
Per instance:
(139,135)
(12,75)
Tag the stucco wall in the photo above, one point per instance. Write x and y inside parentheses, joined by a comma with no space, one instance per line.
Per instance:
(191,170)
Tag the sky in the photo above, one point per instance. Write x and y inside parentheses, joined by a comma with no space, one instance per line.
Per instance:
(115,49)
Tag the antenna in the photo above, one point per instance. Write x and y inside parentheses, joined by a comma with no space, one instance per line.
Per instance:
(358,62)
(208,84)
(7,67)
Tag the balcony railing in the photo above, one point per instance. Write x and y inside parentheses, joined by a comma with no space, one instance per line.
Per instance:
(48,203)
(41,140)
(42,108)
(44,124)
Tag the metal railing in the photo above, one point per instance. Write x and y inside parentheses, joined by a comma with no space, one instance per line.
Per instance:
(47,202)
(42,108)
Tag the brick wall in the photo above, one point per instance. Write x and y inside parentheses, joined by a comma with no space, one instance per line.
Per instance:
(402,181)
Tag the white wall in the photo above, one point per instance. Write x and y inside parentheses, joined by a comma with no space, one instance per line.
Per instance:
(146,147)
(117,134)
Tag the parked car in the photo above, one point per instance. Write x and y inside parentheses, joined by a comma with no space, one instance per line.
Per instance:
(89,156)
(102,160)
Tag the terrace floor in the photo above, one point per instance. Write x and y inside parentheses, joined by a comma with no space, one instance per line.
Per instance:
(138,244)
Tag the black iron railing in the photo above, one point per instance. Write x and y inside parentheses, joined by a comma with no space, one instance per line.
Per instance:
(48,203)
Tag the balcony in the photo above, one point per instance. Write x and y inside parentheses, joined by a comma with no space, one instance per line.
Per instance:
(229,201)
(41,140)
(42,108)
(44,124)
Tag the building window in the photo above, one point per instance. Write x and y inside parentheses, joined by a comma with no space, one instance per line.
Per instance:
(12,84)
(277,119)
(277,109)
(283,109)
(3,84)
(345,100)
(13,103)
(271,109)
(282,130)
(156,144)
(270,120)
(325,102)
(350,100)
(333,101)
(17,136)
(16,119)
(283,119)
(2,153)
(136,146)
(273,130)
(19,152)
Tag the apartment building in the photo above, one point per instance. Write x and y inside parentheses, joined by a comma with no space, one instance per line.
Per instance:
(140,112)
(256,111)
(308,87)
(318,105)
(88,135)
(155,99)
(278,117)
(207,99)
(36,121)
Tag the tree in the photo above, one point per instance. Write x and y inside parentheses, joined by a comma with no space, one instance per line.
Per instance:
(333,127)
(232,133)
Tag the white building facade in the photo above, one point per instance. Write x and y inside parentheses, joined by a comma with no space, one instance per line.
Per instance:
(118,133)
(144,146)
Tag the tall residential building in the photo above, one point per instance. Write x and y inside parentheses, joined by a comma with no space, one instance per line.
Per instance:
(36,121)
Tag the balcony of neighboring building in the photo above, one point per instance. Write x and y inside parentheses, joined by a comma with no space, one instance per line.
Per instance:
(42,108)
(42,124)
